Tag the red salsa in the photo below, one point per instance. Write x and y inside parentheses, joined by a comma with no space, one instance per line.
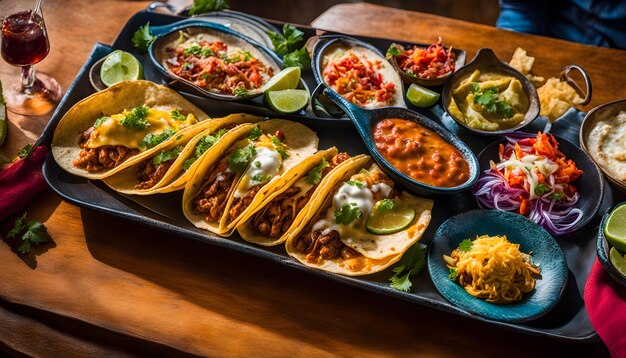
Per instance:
(420,153)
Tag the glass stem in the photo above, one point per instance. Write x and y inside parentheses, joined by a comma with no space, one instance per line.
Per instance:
(28,78)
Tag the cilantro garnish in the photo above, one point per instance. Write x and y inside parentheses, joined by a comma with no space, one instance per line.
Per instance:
(291,40)
(99,121)
(142,38)
(186,66)
(315,175)
(541,189)
(255,133)
(203,145)
(240,91)
(152,140)
(177,115)
(257,164)
(33,232)
(411,263)
(192,50)
(385,205)
(166,155)
(488,99)
(347,214)
(136,119)
(466,245)
(556,196)
(357,183)
(298,58)
(410,73)
(262,178)
(239,160)
(393,51)
(454,273)
(280,147)
(202,6)
(26,151)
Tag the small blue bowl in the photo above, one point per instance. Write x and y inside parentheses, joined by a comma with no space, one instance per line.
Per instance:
(531,237)
(603,247)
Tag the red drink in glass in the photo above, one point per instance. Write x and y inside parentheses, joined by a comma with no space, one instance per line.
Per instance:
(24,41)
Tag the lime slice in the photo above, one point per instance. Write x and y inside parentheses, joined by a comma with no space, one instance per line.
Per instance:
(120,66)
(289,78)
(384,221)
(421,97)
(287,101)
(618,261)
(615,229)
(3,117)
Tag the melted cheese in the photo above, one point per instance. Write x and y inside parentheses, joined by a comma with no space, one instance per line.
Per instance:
(112,132)
(269,164)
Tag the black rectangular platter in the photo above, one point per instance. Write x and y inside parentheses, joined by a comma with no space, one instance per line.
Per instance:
(567,321)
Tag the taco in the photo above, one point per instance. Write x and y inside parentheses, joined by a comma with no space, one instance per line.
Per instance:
(114,128)
(270,222)
(336,235)
(228,185)
(173,162)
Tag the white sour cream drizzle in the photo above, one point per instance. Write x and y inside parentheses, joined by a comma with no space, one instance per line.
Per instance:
(264,164)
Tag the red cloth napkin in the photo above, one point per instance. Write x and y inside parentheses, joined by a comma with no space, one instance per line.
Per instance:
(605,300)
(20,181)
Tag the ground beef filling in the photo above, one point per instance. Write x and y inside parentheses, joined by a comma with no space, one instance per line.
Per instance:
(328,246)
(149,174)
(240,204)
(212,199)
(277,216)
(105,157)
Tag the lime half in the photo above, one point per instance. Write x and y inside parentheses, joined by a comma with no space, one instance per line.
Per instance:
(287,101)
(615,229)
(384,221)
(289,78)
(618,261)
(120,66)
(3,117)
(421,97)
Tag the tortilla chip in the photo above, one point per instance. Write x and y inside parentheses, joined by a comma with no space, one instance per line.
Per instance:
(524,63)
(556,97)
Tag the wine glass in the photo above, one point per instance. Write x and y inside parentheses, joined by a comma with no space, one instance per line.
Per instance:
(25,43)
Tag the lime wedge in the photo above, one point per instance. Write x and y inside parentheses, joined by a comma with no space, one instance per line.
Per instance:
(3,117)
(618,261)
(384,221)
(289,78)
(120,66)
(287,101)
(421,97)
(615,229)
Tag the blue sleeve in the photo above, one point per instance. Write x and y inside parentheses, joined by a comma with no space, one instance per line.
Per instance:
(523,16)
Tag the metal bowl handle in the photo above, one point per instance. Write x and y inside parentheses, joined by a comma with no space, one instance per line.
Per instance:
(586,96)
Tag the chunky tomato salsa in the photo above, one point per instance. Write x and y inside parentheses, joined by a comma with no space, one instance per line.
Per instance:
(420,153)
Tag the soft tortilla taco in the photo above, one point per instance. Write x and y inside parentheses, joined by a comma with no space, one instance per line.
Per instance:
(270,222)
(114,128)
(173,162)
(227,186)
(337,237)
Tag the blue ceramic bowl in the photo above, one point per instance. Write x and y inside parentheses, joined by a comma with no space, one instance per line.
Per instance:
(603,247)
(531,237)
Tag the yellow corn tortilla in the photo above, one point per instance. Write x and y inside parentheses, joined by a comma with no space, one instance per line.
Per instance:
(115,99)
(377,251)
(300,141)
(125,180)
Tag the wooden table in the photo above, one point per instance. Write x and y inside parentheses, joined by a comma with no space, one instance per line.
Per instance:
(106,286)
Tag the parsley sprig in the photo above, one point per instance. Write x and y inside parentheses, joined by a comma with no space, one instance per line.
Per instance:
(136,119)
(347,214)
(358,183)
(239,160)
(152,140)
(280,147)
(167,155)
(33,233)
(315,175)
(290,45)
(488,99)
(202,6)
(142,38)
(411,263)
(202,146)
(255,133)
(466,245)
(385,205)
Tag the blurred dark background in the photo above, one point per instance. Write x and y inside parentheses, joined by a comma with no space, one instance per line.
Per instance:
(305,11)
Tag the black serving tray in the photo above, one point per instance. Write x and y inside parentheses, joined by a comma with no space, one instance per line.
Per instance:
(567,321)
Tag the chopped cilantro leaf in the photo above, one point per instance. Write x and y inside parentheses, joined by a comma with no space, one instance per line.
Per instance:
(454,273)
(152,140)
(466,245)
(357,183)
(298,58)
(255,133)
(315,175)
(411,263)
(410,73)
(32,232)
(177,115)
(393,51)
(541,189)
(18,226)
(202,6)
(291,40)
(207,52)
(239,160)
(99,121)
(488,99)
(257,164)
(347,214)
(166,155)
(202,146)
(262,178)
(385,205)
(26,151)
(186,66)
(280,147)
(240,91)
(142,38)
(192,50)
(556,196)
(136,119)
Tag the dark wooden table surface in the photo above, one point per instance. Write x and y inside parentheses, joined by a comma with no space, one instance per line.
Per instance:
(109,287)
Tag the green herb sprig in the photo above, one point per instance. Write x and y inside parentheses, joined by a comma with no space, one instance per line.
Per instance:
(33,233)
(411,263)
